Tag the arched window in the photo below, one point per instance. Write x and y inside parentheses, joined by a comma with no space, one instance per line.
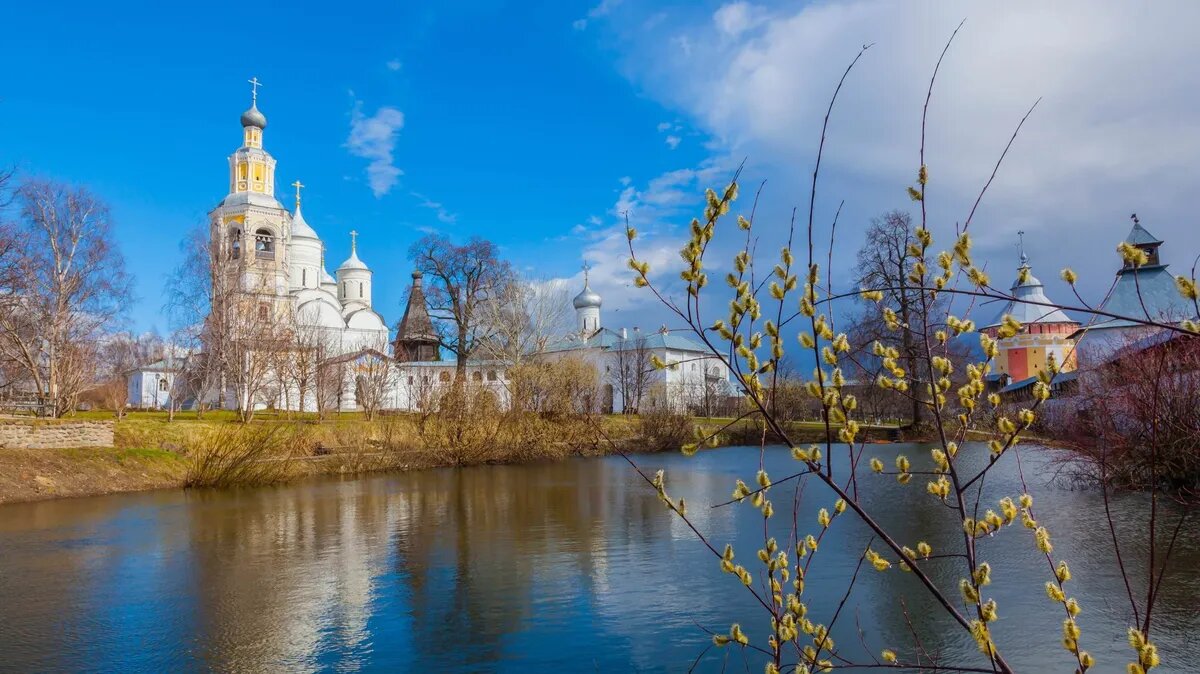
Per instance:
(304,277)
(360,289)
(235,243)
(163,384)
(264,244)
(443,376)
(345,288)
(492,375)
(476,376)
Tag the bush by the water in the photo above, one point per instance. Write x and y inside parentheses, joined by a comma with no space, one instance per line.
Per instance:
(236,455)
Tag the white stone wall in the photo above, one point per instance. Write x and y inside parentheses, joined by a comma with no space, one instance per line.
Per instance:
(55,435)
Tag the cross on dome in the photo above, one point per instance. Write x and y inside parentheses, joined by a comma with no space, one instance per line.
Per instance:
(1021,247)
(353,241)
(298,185)
(253,117)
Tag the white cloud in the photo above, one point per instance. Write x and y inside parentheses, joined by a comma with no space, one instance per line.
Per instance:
(374,139)
(664,126)
(738,17)
(394,65)
(1116,131)
(439,209)
(601,10)
(673,141)
(657,210)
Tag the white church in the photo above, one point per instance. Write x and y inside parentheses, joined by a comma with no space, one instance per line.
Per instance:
(277,263)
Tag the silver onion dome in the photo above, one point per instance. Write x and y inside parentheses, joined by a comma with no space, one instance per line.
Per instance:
(587,299)
(253,117)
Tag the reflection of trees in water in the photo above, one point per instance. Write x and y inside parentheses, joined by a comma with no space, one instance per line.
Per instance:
(486,551)
(426,570)
(478,540)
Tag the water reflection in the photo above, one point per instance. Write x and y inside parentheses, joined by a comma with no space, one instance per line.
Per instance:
(571,565)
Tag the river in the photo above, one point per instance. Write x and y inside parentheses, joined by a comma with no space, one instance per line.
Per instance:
(567,566)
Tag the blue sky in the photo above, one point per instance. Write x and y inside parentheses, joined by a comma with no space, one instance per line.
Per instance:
(513,122)
(537,124)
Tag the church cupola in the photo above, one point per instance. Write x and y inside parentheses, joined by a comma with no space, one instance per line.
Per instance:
(253,121)
(416,338)
(354,278)
(304,250)
(587,307)
(251,168)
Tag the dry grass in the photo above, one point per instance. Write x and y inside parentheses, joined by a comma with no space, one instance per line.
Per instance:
(244,455)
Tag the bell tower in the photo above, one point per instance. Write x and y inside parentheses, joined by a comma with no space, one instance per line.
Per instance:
(250,229)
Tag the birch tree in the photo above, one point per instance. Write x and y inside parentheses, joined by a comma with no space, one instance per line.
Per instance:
(66,287)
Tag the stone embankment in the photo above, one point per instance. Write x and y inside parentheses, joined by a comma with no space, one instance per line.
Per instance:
(46,434)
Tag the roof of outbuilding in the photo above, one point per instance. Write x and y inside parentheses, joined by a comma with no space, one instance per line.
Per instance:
(162,365)
(1145,293)
(610,340)
(1030,303)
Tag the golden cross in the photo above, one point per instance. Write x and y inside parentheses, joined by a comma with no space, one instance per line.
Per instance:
(254,85)
(297,185)
(353,240)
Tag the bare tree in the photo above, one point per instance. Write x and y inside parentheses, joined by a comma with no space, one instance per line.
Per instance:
(630,372)
(372,380)
(189,294)
(463,279)
(235,317)
(526,316)
(330,374)
(117,357)
(885,263)
(71,290)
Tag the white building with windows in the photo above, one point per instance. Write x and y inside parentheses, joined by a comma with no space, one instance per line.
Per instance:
(151,385)
(695,379)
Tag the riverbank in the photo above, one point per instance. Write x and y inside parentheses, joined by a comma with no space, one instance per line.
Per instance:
(152,452)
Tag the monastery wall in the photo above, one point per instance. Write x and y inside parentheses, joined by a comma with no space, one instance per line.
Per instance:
(45,434)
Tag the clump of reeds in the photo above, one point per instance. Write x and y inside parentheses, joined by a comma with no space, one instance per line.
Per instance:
(237,456)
